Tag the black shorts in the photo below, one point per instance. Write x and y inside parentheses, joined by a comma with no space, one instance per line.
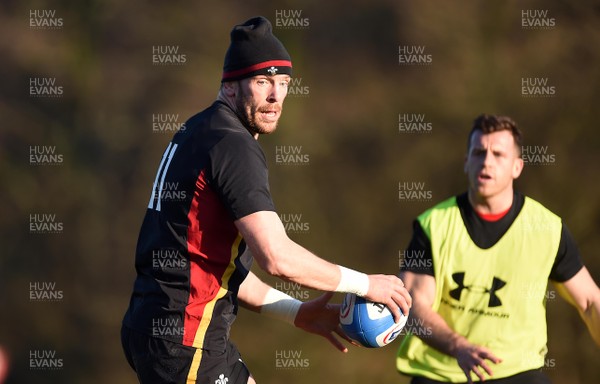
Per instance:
(158,361)
(534,376)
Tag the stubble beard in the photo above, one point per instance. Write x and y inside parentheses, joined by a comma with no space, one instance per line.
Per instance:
(249,114)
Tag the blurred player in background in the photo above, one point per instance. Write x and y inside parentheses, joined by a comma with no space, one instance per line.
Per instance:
(4,364)
(489,252)
(209,214)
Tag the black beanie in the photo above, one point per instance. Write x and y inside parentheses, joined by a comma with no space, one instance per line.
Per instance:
(254,50)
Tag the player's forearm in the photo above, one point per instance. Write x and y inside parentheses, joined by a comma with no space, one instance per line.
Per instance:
(257,296)
(583,293)
(591,317)
(433,327)
(279,256)
(289,261)
(436,331)
(591,309)
(292,262)
(252,292)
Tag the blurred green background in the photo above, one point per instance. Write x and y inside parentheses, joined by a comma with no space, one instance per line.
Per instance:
(343,119)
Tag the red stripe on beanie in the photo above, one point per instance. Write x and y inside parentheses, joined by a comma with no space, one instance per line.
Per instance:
(256,67)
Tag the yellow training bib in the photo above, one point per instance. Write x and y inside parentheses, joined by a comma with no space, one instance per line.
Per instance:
(494,297)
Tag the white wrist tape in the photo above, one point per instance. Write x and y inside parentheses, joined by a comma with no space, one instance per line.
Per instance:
(280,306)
(353,282)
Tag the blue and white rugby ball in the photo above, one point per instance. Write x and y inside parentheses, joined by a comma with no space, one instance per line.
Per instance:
(368,323)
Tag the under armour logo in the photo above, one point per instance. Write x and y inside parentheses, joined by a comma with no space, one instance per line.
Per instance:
(497,284)
(272,71)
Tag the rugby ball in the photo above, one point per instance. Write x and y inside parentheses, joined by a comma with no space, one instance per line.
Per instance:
(368,323)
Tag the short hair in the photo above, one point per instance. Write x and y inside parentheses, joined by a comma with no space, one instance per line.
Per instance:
(492,123)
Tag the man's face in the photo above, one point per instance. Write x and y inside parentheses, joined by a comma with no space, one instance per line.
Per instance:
(492,163)
(259,102)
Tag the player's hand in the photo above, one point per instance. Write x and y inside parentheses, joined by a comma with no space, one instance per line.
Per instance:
(472,358)
(320,317)
(389,290)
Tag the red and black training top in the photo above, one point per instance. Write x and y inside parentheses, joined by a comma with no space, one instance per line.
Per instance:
(189,254)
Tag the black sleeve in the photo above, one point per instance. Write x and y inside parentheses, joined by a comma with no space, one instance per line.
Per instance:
(417,257)
(568,260)
(239,175)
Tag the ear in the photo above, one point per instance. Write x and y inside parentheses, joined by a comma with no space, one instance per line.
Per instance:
(465,163)
(517,167)
(230,88)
